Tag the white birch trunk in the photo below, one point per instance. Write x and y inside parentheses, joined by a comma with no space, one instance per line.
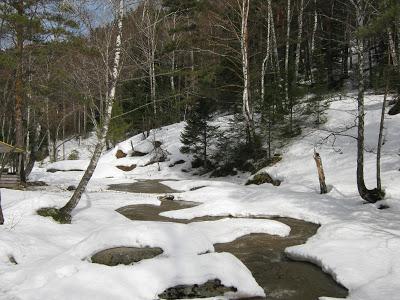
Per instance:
(247,111)
(103,130)
(287,52)
(299,37)
(273,36)
(313,41)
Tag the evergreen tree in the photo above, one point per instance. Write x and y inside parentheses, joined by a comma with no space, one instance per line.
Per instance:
(198,134)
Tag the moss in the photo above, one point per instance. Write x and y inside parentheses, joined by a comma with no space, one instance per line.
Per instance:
(55,214)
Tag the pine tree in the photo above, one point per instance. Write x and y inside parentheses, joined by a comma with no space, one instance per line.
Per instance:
(198,134)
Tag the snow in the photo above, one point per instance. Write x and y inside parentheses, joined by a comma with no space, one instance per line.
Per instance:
(357,243)
(68,165)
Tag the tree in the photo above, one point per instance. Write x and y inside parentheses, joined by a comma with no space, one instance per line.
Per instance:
(63,215)
(22,22)
(360,7)
(198,134)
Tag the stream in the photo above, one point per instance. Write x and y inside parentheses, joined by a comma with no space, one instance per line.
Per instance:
(263,254)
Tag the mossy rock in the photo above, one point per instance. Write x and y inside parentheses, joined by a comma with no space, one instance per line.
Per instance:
(55,214)
(212,288)
(262,178)
(124,255)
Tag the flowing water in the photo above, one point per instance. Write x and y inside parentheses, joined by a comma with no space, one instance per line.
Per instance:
(263,254)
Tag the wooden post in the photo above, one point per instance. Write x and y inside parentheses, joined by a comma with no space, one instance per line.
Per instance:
(1,212)
(321,174)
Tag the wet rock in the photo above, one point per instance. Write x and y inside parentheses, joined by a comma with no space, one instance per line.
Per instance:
(211,288)
(127,168)
(71,188)
(262,178)
(178,162)
(120,154)
(124,255)
(166,198)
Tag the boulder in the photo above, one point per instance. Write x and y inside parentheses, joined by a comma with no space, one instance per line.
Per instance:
(71,188)
(262,178)
(120,154)
(124,255)
(212,288)
(395,109)
(144,147)
(127,168)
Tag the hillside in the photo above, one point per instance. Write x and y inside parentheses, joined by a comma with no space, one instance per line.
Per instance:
(357,243)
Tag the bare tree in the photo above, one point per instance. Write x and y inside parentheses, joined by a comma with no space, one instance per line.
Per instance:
(65,212)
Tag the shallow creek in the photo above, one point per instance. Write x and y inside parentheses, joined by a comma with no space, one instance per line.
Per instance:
(263,254)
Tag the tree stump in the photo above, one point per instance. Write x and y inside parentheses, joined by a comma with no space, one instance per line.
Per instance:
(321,174)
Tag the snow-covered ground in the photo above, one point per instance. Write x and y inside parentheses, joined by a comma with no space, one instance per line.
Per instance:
(357,243)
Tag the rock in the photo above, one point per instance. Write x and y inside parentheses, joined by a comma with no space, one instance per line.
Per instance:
(211,288)
(166,198)
(36,183)
(127,168)
(120,154)
(262,178)
(157,144)
(159,156)
(71,188)
(54,170)
(223,171)
(178,162)
(124,255)
(395,109)
(144,147)
(137,153)
(197,188)
(12,260)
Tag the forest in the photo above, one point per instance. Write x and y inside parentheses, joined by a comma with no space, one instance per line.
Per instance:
(240,100)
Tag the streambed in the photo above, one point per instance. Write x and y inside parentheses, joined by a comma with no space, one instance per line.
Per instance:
(263,254)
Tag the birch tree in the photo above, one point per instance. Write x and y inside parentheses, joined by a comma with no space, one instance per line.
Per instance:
(65,212)
(244,45)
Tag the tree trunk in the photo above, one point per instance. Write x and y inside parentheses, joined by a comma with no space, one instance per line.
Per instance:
(299,37)
(287,49)
(246,107)
(312,47)
(19,88)
(380,142)
(1,212)
(369,195)
(103,130)
(273,36)
(265,61)
(321,174)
